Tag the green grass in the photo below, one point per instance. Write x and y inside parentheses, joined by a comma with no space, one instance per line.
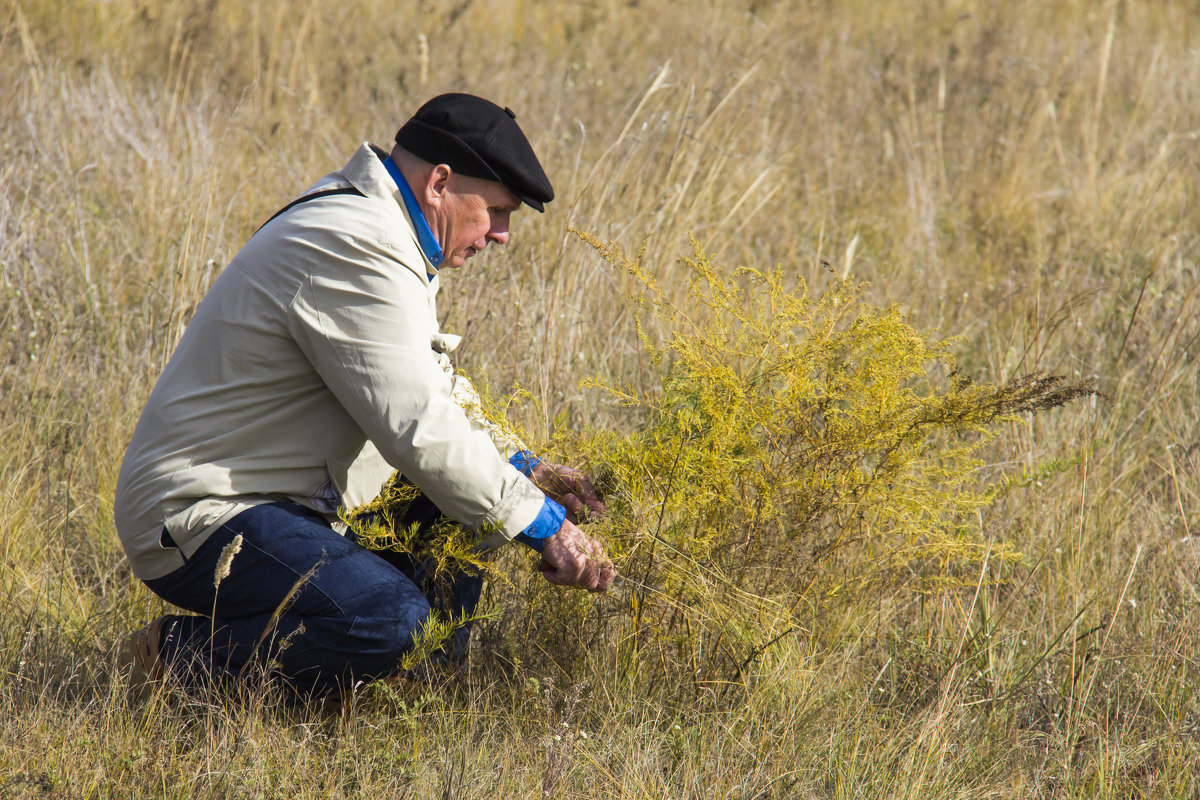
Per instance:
(1022,176)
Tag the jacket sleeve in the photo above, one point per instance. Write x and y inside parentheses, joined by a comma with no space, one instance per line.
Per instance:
(465,394)
(364,322)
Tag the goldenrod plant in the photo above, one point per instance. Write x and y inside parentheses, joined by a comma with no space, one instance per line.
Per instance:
(795,450)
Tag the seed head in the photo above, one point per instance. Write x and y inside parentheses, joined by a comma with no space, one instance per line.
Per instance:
(226,560)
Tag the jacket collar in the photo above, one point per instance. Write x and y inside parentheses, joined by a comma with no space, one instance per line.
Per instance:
(367,173)
(425,237)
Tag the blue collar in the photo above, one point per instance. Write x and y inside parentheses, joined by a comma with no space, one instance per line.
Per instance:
(425,238)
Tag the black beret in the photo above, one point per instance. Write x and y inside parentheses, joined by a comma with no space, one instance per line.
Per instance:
(478,138)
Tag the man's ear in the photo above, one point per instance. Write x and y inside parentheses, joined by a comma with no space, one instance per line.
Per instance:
(437,185)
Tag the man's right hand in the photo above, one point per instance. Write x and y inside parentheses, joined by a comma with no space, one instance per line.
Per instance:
(570,558)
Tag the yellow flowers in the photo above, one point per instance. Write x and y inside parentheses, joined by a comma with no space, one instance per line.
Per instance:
(801,449)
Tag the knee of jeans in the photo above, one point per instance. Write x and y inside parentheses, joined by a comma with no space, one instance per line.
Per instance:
(402,621)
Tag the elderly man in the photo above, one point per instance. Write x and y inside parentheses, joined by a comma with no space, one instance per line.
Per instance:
(313,368)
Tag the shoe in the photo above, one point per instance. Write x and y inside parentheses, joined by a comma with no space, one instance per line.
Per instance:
(140,656)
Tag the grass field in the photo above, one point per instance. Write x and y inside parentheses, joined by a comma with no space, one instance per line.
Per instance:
(1021,176)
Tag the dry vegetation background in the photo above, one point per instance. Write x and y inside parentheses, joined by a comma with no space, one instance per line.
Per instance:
(1022,175)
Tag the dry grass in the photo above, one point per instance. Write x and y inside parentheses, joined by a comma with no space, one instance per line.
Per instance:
(1022,175)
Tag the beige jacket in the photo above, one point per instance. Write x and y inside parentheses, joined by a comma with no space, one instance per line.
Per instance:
(311,369)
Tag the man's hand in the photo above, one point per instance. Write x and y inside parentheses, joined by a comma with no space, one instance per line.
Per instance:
(570,558)
(570,488)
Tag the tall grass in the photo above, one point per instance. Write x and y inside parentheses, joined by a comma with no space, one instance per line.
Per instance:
(1021,176)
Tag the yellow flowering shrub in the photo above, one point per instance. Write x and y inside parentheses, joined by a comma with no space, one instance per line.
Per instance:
(800,449)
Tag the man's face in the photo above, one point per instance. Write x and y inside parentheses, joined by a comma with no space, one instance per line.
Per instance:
(472,213)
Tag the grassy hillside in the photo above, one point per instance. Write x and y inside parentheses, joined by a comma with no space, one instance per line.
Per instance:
(1018,177)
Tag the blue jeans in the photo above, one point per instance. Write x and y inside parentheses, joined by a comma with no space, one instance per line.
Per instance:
(353,613)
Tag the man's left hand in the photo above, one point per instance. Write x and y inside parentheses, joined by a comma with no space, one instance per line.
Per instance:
(571,488)
(570,558)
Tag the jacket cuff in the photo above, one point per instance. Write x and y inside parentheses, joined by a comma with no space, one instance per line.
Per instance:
(548,521)
(519,509)
(524,461)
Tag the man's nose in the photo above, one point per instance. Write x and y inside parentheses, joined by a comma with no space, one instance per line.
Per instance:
(499,232)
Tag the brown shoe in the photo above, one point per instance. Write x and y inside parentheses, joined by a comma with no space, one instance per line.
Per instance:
(140,657)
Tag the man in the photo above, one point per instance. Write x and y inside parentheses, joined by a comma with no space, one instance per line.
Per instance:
(312,369)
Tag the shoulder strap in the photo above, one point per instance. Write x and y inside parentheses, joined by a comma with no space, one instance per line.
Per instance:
(313,196)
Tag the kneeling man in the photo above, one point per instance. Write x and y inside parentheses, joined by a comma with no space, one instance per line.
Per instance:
(312,369)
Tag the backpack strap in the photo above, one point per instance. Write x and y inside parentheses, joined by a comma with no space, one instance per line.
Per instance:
(313,196)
